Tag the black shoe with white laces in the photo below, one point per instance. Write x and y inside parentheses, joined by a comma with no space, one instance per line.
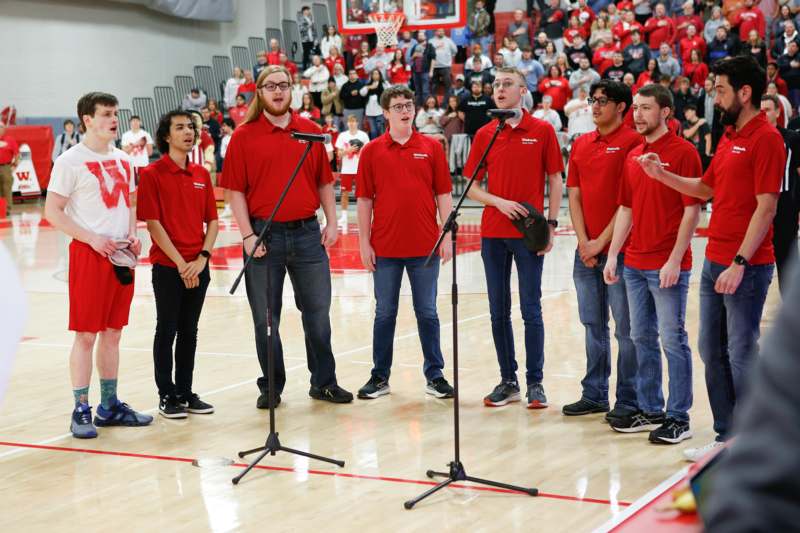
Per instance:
(637,422)
(170,407)
(619,412)
(671,432)
(331,393)
(196,406)
(584,407)
(440,388)
(376,387)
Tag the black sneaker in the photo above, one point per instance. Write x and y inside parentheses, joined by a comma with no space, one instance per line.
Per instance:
(196,406)
(169,407)
(671,432)
(637,422)
(618,412)
(584,407)
(440,388)
(374,388)
(263,400)
(505,392)
(331,393)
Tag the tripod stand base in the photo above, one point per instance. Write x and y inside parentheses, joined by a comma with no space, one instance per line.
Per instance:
(457,473)
(273,446)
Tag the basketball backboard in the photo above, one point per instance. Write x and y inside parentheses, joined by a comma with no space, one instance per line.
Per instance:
(352,15)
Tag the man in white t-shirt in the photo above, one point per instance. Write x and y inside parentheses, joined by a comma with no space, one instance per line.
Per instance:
(138,144)
(348,145)
(89,199)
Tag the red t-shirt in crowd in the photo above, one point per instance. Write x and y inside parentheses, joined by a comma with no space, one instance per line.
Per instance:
(247,88)
(696,72)
(517,165)
(182,200)
(657,210)
(332,61)
(399,74)
(747,163)
(590,16)
(659,30)
(750,19)
(237,114)
(260,159)
(622,32)
(403,180)
(8,149)
(558,89)
(274,58)
(686,46)
(602,57)
(595,167)
(685,21)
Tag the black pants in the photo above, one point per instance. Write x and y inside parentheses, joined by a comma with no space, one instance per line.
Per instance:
(177,313)
(307,48)
(784,238)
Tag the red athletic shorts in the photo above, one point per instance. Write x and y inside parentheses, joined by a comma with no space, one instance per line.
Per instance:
(97,300)
(347,181)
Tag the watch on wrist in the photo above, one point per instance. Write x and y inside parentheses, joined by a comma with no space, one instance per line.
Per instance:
(740,260)
(553,222)
(205,253)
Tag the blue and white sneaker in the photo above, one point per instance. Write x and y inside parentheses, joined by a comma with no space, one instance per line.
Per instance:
(81,425)
(120,414)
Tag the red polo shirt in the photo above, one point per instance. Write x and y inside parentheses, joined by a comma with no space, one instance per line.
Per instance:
(595,167)
(659,34)
(747,163)
(260,159)
(518,165)
(657,209)
(8,149)
(182,200)
(403,180)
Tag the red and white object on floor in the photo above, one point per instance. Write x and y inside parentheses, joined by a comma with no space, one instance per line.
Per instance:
(26,182)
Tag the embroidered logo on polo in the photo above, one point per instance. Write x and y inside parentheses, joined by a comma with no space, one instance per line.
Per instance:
(526,140)
(420,156)
(613,149)
(119,185)
(738,149)
(199,185)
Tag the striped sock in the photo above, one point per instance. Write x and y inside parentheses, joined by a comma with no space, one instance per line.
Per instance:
(81,396)
(108,392)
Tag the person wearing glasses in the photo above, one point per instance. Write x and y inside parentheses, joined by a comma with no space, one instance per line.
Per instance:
(255,178)
(595,170)
(403,181)
(524,156)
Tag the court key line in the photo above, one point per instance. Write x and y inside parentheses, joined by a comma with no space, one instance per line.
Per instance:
(314,472)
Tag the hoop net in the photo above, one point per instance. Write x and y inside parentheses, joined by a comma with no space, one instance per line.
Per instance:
(386,27)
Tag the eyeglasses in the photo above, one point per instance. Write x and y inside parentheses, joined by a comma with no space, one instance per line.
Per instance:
(602,101)
(399,108)
(271,87)
(506,84)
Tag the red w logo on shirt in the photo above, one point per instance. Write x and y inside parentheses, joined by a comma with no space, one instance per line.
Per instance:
(23,176)
(120,187)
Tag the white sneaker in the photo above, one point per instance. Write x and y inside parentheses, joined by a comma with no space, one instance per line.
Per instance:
(695,454)
(343,218)
(226,213)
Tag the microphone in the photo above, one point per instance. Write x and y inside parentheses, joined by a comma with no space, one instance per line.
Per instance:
(312,137)
(505,114)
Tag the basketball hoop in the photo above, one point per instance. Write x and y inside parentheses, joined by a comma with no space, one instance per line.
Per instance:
(386,27)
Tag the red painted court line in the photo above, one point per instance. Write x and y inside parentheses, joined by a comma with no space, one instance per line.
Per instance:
(315,472)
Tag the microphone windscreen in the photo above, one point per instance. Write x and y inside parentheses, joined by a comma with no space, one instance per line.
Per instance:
(327,138)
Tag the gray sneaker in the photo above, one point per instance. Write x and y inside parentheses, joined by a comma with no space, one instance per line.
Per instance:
(81,425)
(536,397)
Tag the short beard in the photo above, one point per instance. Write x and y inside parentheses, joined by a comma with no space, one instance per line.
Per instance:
(729,117)
(276,111)
(647,131)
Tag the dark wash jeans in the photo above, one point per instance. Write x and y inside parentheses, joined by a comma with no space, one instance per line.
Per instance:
(177,313)
(387,279)
(299,253)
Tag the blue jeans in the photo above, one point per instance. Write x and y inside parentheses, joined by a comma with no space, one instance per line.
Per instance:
(298,252)
(387,279)
(422,89)
(497,255)
(729,332)
(660,312)
(376,125)
(594,300)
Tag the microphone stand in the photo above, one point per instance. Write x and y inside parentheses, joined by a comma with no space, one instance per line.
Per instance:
(456,468)
(272,444)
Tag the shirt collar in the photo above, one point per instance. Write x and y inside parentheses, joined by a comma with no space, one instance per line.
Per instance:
(660,143)
(272,128)
(525,123)
(168,165)
(411,142)
(607,139)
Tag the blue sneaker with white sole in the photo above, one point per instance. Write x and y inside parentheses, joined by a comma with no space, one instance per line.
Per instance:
(81,425)
(120,414)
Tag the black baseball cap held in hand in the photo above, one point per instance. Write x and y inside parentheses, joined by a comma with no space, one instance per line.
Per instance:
(534,228)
